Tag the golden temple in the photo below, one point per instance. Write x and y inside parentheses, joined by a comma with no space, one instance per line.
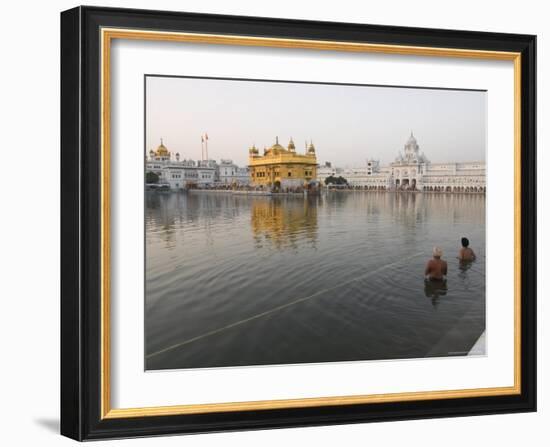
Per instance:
(282,168)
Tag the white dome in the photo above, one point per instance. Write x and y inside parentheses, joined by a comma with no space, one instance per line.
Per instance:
(411,140)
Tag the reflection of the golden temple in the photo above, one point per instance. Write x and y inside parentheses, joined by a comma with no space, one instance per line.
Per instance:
(284,221)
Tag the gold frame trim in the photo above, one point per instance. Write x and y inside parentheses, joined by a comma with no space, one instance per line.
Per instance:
(107,35)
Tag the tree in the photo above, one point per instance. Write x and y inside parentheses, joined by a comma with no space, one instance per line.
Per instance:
(151,177)
(331,180)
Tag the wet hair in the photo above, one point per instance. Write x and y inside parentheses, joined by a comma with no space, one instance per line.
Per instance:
(465,242)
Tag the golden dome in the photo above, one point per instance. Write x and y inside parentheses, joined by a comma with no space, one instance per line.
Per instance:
(162,150)
(311,148)
(253,149)
(291,146)
(277,147)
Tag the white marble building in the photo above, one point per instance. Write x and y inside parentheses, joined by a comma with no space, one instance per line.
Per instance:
(178,174)
(327,170)
(412,171)
(230,174)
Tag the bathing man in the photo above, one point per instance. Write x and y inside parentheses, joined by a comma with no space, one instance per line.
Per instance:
(436,268)
(466,254)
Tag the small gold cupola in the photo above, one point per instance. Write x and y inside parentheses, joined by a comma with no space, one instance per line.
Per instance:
(253,150)
(291,146)
(162,151)
(311,148)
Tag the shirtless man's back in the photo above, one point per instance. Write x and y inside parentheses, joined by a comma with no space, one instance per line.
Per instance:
(466,253)
(436,268)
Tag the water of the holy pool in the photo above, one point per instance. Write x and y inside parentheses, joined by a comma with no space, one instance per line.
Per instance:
(233,280)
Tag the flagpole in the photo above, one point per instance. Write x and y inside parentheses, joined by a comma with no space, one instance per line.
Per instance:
(206,144)
(202,148)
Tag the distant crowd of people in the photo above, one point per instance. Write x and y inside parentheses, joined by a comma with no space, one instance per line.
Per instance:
(436,268)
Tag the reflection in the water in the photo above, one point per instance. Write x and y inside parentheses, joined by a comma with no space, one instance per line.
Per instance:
(244,280)
(434,289)
(281,221)
(464,266)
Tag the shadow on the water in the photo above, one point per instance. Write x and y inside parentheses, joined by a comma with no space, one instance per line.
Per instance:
(434,290)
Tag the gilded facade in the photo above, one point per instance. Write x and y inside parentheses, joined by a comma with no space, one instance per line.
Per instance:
(281,167)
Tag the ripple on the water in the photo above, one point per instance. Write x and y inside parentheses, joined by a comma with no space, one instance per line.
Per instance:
(213,260)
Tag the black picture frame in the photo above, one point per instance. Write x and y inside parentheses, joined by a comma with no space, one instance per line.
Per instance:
(81,223)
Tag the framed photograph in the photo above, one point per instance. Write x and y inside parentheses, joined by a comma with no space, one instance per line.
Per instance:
(278,223)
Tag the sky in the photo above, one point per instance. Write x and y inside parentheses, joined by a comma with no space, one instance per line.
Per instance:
(348,124)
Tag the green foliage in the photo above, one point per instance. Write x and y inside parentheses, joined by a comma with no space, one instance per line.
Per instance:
(331,180)
(151,177)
